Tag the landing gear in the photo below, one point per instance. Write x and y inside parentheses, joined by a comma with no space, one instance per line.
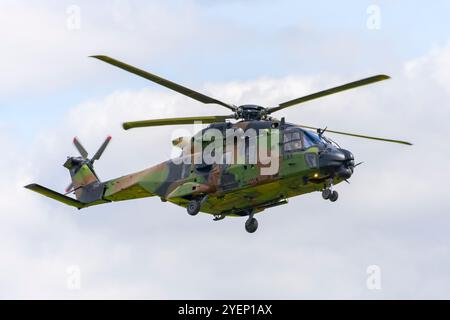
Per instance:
(193,207)
(326,193)
(334,196)
(251,225)
(329,193)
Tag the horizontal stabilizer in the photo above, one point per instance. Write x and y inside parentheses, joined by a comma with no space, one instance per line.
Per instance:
(55,195)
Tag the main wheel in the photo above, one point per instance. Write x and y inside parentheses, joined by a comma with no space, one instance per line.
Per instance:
(193,207)
(334,196)
(326,194)
(251,225)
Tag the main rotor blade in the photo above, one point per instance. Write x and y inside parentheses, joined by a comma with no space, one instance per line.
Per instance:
(360,135)
(80,148)
(174,121)
(102,148)
(327,92)
(163,82)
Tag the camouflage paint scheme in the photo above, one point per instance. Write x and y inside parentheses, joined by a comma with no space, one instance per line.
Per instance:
(306,163)
(232,189)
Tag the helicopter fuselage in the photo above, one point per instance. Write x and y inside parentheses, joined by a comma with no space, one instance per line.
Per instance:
(304,165)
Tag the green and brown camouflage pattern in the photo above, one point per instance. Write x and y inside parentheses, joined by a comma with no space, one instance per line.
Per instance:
(221,189)
(231,189)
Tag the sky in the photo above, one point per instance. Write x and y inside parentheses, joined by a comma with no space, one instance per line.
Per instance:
(392,217)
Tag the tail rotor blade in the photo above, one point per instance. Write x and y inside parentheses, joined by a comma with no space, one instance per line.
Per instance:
(102,148)
(80,148)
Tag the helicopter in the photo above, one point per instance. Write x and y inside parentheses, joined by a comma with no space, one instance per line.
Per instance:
(306,160)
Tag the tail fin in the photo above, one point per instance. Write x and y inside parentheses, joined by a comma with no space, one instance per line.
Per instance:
(83,178)
(85,184)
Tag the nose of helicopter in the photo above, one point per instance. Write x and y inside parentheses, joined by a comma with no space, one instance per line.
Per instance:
(337,162)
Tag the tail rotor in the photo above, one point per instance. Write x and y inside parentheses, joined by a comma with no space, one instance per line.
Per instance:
(100,150)
(80,148)
(74,163)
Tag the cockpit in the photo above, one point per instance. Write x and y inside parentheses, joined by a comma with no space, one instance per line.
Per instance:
(295,138)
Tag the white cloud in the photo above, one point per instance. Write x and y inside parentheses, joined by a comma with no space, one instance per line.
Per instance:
(40,53)
(435,67)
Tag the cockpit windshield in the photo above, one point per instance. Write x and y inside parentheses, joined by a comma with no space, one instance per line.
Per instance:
(298,139)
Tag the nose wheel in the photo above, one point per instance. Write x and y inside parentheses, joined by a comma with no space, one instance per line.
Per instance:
(329,193)
(326,194)
(333,196)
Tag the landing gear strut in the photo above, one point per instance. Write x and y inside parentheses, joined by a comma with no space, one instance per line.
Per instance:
(251,225)
(329,193)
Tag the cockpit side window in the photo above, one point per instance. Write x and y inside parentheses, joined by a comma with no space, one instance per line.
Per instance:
(292,140)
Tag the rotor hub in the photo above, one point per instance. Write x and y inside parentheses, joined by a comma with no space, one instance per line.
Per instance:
(251,112)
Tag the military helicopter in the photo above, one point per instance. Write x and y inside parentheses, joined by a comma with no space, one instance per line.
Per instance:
(307,161)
